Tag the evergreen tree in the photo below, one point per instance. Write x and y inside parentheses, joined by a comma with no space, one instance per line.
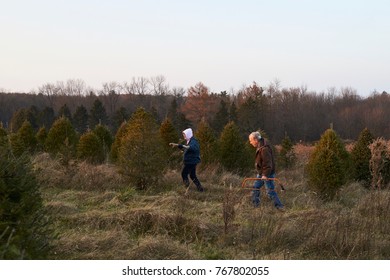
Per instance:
(3,137)
(287,156)
(361,156)
(61,138)
(90,148)
(232,152)
(221,118)
(105,138)
(169,134)
(41,138)
(119,117)
(120,134)
(46,117)
(24,140)
(141,153)
(233,113)
(208,143)
(17,120)
(80,119)
(64,111)
(97,114)
(24,233)
(328,165)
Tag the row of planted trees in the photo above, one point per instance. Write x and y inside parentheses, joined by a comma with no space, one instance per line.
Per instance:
(331,165)
(140,148)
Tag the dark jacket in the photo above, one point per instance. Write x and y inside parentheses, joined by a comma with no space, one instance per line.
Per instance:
(265,163)
(192,154)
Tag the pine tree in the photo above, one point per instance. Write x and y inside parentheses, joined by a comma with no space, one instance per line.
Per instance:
(24,140)
(141,153)
(3,137)
(61,138)
(208,143)
(41,138)
(105,137)
(169,134)
(97,114)
(328,165)
(232,152)
(24,233)
(80,119)
(120,134)
(64,112)
(287,156)
(90,148)
(221,118)
(361,156)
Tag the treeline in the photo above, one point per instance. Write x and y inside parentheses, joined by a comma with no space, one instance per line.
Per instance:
(296,112)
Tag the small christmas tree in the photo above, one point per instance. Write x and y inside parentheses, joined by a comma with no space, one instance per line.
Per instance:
(328,165)
(361,156)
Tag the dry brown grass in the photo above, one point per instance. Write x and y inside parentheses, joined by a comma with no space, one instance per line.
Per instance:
(103,217)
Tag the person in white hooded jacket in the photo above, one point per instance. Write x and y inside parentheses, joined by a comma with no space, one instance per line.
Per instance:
(191,158)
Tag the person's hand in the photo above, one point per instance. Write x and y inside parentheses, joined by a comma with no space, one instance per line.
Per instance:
(264,177)
(173,144)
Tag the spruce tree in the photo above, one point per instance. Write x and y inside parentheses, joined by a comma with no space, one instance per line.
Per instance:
(80,119)
(121,132)
(24,231)
(208,143)
(90,148)
(105,138)
(41,138)
(361,156)
(61,138)
(97,114)
(141,152)
(328,165)
(169,134)
(286,156)
(232,152)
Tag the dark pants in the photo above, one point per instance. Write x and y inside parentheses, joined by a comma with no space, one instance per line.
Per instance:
(190,169)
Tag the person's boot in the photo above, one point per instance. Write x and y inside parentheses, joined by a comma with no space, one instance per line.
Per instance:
(186,183)
(198,186)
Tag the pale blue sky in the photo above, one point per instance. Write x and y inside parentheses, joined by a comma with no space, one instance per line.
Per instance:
(223,44)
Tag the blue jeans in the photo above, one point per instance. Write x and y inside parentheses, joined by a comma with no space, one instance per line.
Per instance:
(270,192)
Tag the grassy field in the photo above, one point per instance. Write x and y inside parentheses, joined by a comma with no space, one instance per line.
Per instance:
(97,214)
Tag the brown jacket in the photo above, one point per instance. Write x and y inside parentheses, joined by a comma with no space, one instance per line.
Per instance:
(264,162)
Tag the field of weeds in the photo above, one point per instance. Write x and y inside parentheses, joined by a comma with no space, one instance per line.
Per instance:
(97,214)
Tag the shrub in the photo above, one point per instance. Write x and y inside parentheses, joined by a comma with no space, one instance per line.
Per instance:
(105,138)
(328,165)
(61,138)
(208,143)
(90,148)
(287,156)
(232,152)
(118,141)
(361,156)
(24,140)
(379,163)
(141,152)
(41,138)
(23,226)
(169,134)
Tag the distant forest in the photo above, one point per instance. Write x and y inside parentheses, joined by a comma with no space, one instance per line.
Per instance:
(296,112)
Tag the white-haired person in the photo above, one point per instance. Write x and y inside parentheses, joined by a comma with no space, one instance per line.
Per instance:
(191,158)
(265,166)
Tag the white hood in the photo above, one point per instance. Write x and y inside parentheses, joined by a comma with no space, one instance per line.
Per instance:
(188,134)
